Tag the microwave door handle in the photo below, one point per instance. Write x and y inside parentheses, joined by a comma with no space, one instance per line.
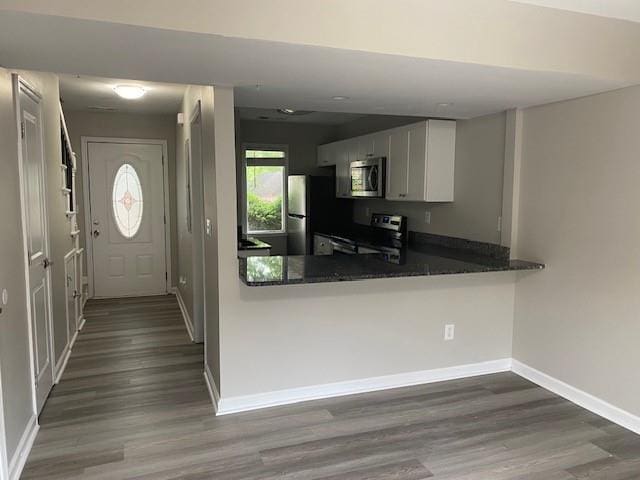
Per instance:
(370,177)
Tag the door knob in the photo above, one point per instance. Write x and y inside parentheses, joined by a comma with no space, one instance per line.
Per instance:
(96,233)
(46,263)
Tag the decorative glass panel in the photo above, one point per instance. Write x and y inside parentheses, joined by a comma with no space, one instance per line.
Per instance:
(127,200)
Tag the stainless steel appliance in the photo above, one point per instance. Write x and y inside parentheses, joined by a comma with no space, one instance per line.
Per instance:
(367,177)
(312,206)
(389,235)
(385,235)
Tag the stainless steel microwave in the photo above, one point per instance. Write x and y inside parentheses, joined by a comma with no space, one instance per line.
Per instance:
(367,177)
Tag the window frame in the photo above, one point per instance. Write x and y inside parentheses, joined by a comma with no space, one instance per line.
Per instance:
(270,162)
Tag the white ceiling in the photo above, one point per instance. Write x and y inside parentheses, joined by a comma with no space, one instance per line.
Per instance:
(317,118)
(621,9)
(301,77)
(96,94)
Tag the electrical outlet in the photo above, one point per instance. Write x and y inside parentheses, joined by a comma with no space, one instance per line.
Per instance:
(427,216)
(367,212)
(449,331)
(208,227)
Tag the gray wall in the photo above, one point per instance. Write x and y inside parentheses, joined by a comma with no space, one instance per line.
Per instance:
(302,139)
(579,200)
(212,126)
(17,401)
(14,334)
(189,247)
(125,125)
(478,183)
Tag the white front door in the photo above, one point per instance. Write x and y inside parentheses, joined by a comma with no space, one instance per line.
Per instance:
(34,197)
(126,186)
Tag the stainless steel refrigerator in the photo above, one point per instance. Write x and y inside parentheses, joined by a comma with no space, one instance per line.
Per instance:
(312,207)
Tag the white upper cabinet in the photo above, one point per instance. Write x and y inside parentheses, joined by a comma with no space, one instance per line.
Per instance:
(343,152)
(420,160)
(365,147)
(381,144)
(326,155)
(398,165)
(420,166)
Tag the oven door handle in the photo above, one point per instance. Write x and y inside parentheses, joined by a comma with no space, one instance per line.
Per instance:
(338,247)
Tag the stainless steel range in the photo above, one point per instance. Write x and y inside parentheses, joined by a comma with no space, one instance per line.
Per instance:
(385,235)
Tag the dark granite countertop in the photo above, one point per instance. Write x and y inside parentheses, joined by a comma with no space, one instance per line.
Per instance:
(418,259)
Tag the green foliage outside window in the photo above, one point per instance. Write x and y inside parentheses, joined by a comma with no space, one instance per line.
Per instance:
(264,215)
(264,198)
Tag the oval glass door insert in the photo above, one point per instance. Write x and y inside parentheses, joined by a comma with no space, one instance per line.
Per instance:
(128,200)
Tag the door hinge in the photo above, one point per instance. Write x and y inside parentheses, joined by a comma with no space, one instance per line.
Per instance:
(166,276)
(165,219)
(22,130)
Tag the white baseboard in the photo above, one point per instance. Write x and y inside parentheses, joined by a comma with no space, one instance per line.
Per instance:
(185,315)
(211,386)
(315,392)
(16,464)
(64,358)
(579,397)
(62,363)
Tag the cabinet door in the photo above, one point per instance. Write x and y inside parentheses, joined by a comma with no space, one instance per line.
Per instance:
(365,147)
(417,162)
(343,171)
(441,159)
(352,150)
(381,145)
(343,179)
(397,164)
(326,155)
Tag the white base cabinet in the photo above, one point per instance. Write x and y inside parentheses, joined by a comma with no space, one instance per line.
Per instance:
(420,162)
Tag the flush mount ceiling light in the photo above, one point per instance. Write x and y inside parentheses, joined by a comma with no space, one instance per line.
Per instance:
(339,97)
(130,92)
(445,105)
(293,113)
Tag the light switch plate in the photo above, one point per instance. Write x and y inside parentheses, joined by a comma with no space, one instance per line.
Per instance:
(427,216)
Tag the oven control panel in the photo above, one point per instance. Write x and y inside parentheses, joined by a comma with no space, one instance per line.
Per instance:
(388,222)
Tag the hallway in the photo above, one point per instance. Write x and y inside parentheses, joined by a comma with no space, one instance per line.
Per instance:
(134,378)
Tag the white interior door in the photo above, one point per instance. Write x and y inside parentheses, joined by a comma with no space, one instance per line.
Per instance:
(33,188)
(126,186)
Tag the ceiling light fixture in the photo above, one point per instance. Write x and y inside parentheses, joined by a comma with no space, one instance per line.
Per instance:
(287,111)
(339,97)
(445,105)
(130,92)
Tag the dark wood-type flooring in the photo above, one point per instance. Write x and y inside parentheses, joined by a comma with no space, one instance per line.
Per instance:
(132,404)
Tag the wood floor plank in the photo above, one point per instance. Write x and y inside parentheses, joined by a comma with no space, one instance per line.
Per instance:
(133,404)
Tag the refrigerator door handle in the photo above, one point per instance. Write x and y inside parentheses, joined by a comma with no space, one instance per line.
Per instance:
(295,215)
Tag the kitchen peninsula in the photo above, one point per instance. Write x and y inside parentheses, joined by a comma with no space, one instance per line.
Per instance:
(426,255)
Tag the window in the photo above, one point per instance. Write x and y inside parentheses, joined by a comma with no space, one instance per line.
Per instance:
(265,175)
(127,200)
